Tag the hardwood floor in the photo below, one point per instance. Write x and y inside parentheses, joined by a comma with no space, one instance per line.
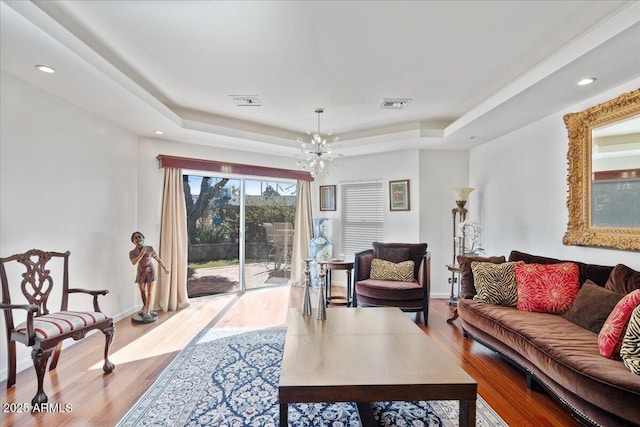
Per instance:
(142,352)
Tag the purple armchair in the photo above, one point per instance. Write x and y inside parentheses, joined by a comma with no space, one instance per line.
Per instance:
(411,296)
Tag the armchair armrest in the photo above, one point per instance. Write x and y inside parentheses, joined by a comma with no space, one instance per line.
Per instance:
(30,308)
(424,278)
(95,293)
(362,265)
(424,273)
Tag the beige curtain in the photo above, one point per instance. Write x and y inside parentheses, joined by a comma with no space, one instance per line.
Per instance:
(172,289)
(303,231)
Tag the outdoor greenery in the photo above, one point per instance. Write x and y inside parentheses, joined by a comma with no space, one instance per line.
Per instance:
(214,218)
(268,211)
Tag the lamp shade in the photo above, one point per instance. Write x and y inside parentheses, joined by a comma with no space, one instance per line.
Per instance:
(462,193)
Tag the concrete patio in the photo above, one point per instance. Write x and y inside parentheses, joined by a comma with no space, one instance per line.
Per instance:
(217,280)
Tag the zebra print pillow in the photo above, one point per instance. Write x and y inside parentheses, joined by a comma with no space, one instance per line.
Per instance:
(630,350)
(495,283)
(387,270)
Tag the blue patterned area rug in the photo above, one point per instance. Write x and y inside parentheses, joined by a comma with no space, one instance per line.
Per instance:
(229,377)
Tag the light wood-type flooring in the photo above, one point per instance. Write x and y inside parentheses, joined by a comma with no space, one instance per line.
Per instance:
(142,352)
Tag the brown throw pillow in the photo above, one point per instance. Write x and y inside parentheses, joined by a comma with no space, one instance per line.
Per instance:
(592,306)
(466,275)
(393,254)
(623,280)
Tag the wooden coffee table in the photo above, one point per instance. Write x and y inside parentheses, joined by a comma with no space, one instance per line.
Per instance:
(368,355)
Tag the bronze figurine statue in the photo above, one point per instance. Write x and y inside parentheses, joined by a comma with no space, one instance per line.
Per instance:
(145,277)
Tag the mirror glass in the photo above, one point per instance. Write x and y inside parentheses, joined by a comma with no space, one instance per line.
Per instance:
(615,174)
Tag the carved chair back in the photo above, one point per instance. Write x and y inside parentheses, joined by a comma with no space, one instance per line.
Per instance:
(36,282)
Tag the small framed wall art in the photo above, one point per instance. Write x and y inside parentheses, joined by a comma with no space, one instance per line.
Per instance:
(399,195)
(327,197)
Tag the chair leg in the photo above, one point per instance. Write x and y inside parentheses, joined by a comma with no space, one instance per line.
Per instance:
(56,356)
(40,358)
(108,336)
(11,353)
(426,315)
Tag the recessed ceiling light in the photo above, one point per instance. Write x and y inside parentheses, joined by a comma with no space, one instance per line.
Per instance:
(246,100)
(394,103)
(586,81)
(45,69)
(159,132)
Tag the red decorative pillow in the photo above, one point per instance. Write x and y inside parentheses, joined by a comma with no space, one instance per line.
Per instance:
(612,332)
(547,288)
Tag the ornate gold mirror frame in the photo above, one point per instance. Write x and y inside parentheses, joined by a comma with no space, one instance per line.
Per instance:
(580,232)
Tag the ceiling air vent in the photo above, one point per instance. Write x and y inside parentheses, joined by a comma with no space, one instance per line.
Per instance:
(394,103)
(246,100)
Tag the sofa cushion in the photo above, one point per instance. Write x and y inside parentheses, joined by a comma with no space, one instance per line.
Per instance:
(630,350)
(495,283)
(466,275)
(387,270)
(592,306)
(393,254)
(598,274)
(623,279)
(549,288)
(388,291)
(416,252)
(613,330)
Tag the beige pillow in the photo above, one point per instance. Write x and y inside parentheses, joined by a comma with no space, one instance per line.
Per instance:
(495,283)
(387,270)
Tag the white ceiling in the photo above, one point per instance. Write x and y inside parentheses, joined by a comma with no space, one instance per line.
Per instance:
(474,70)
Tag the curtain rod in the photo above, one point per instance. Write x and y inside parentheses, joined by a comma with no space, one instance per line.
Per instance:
(166,161)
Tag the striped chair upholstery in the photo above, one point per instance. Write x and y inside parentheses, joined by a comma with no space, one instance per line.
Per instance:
(62,322)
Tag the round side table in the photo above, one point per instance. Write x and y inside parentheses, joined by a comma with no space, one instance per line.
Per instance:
(339,300)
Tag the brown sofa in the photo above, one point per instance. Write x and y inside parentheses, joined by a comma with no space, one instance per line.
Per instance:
(556,353)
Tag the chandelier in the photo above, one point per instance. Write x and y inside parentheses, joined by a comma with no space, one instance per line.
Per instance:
(316,155)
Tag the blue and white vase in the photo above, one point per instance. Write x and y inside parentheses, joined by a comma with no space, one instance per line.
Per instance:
(320,247)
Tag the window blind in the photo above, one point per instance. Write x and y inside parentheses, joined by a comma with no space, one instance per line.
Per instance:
(362,215)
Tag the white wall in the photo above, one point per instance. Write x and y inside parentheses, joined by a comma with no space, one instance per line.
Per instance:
(440,172)
(521,182)
(432,175)
(400,226)
(67,182)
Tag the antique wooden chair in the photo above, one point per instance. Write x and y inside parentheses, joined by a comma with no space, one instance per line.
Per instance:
(44,331)
(409,295)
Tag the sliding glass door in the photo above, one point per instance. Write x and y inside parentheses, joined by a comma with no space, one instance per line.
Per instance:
(269,214)
(240,233)
(213,226)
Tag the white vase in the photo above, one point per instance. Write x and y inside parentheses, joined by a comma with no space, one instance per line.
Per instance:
(320,247)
